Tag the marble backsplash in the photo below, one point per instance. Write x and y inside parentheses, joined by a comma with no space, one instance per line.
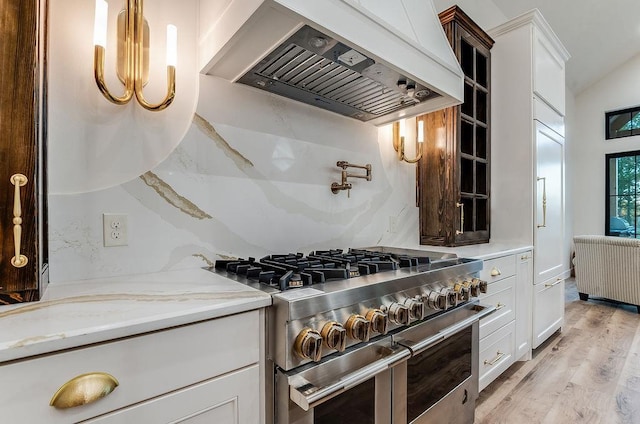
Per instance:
(251,176)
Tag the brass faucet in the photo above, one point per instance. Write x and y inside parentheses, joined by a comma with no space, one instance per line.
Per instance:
(344,185)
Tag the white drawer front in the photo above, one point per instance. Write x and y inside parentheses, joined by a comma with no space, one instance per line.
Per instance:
(501,295)
(548,310)
(146,366)
(230,399)
(496,354)
(498,268)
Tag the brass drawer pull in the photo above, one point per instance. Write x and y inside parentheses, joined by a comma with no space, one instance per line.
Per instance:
(499,306)
(524,257)
(495,272)
(83,389)
(558,281)
(18,180)
(498,357)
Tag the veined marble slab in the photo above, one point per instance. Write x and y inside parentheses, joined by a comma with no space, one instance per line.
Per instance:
(84,312)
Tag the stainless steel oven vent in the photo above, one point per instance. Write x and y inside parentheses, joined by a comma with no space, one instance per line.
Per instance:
(316,69)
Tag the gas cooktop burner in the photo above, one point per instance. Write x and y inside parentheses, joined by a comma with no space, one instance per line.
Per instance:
(296,270)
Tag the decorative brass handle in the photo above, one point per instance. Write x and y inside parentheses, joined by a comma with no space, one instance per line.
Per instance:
(558,281)
(524,257)
(83,389)
(544,202)
(461,206)
(498,357)
(499,306)
(495,272)
(18,180)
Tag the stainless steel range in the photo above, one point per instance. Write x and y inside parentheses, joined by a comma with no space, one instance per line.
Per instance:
(371,335)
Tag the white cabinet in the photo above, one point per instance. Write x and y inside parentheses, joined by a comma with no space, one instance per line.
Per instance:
(505,335)
(548,309)
(202,372)
(497,347)
(528,154)
(524,300)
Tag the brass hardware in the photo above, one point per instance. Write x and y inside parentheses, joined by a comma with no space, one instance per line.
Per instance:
(558,281)
(358,327)
(524,257)
(18,180)
(84,389)
(133,60)
(379,320)
(498,357)
(461,206)
(335,336)
(499,306)
(544,202)
(398,141)
(308,344)
(495,272)
(344,185)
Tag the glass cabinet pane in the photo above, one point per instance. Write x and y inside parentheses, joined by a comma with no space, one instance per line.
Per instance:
(466,58)
(481,69)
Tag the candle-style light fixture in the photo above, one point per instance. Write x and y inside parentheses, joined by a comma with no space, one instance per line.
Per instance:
(133,54)
(399,133)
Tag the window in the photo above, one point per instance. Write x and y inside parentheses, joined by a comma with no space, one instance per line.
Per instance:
(623,194)
(622,123)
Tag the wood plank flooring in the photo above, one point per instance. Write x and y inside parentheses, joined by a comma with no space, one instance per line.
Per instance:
(587,373)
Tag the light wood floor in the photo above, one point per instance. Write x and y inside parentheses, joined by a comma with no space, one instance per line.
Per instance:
(587,373)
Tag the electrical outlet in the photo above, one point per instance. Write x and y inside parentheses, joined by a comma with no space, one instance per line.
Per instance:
(115,229)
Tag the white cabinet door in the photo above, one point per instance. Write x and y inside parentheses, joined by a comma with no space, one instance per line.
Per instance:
(524,288)
(233,398)
(548,309)
(548,71)
(549,210)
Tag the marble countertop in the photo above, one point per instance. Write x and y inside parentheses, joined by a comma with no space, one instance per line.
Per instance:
(84,312)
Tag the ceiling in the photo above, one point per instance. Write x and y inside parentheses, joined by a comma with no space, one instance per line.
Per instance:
(600,35)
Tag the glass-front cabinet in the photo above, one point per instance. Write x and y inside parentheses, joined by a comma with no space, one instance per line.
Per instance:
(454,172)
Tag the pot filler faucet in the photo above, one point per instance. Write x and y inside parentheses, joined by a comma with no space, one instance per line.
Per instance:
(344,185)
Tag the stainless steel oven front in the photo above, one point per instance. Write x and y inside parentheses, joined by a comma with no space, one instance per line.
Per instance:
(425,373)
(440,378)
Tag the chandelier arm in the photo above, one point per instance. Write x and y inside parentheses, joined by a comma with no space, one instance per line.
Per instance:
(98,66)
(138,69)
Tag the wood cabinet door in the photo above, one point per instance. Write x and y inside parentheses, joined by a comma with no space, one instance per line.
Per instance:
(22,123)
(549,210)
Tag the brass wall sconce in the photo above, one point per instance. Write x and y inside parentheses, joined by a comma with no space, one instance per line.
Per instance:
(399,134)
(344,185)
(133,54)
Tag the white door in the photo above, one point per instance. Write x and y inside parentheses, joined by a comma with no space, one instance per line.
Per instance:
(549,211)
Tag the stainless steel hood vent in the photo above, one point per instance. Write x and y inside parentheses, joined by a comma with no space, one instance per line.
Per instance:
(371,60)
(313,68)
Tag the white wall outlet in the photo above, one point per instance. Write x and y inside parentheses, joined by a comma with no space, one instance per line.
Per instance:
(115,229)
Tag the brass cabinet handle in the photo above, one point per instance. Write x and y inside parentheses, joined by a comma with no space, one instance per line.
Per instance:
(498,357)
(495,272)
(499,306)
(83,389)
(524,257)
(558,281)
(544,202)
(18,180)
(461,206)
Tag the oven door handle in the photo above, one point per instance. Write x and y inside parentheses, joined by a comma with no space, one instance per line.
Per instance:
(306,395)
(419,347)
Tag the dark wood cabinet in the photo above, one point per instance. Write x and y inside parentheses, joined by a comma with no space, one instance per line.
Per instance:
(454,172)
(22,148)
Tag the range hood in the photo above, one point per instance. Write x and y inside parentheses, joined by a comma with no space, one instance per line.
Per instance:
(372,60)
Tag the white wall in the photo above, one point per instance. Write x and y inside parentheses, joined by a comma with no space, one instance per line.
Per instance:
(618,90)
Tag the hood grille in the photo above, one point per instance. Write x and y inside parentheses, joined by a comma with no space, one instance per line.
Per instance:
(362,89)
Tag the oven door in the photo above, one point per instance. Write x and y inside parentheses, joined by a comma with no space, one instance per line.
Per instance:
(441,376)
(354,387)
